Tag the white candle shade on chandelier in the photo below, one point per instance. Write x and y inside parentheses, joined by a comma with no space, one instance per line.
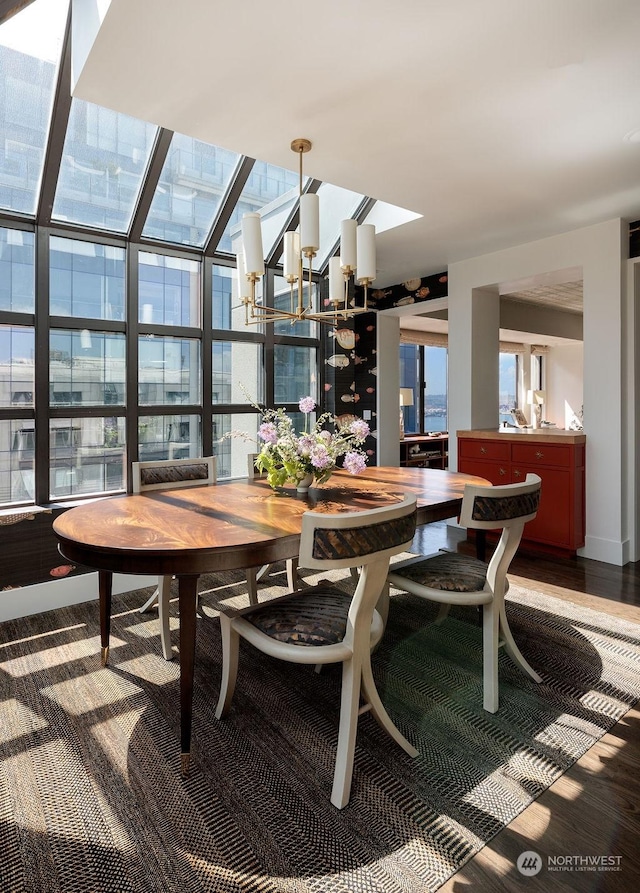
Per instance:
(357,258)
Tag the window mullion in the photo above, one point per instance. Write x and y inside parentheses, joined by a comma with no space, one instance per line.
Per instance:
(41,369)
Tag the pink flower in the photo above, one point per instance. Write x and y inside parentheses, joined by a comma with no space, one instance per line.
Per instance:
(268,432)
(307,404)
(360,429)
(320,458)
(354,462)
(305,445)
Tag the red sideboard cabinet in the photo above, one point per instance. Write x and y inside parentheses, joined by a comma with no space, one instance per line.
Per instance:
(505,456)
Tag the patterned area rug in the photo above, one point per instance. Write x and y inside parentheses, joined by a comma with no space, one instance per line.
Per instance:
(91,797)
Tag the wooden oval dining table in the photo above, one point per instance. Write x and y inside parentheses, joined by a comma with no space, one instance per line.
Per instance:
(189,531)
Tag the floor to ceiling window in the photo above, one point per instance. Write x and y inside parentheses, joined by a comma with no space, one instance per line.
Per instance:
(122,334)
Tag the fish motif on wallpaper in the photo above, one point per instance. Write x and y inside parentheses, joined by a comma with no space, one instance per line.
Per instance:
(338,361)
(345,337)
(356,359)
(403,301)
(346,418)
(62,570)
(350,398)
(378,294)
(412,284)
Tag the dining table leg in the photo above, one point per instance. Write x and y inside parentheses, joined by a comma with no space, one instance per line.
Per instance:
(105,579)
(187,593)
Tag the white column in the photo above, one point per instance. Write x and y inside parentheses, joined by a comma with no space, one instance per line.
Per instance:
(473,366)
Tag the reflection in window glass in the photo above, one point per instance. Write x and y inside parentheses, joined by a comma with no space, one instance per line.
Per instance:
(237,367)
(86,368)
(17,452)
(271,190)
(86,456)
(86,280)
(30,47)
(232,452)
(169,437)
(17,271)
(169,371)
(193,180)
(410,378)
(16,365)
(294,373)
(104,158)
(282,300)
(228,309)
(169,290)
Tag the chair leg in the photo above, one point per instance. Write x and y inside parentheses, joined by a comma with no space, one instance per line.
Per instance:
(292,574)
(164,591)
(349,704)
(490,644)
(382,605)
(252,585)
(262,573)
(512,649)
(230,653)
(443,613)
(370,693)
(151,602)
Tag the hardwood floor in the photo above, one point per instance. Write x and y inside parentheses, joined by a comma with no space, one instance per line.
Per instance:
(594,809)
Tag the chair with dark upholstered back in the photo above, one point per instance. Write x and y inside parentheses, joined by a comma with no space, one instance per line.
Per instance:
(451,578)
(322,624)
(163,475)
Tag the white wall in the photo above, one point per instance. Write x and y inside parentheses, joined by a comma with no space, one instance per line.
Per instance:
(599,250)
(611,367)
(40,597)
(563,383)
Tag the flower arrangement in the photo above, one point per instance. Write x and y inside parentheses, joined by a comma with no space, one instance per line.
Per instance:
(287,456)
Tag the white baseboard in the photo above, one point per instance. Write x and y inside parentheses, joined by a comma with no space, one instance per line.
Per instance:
(52,594)
(609,551)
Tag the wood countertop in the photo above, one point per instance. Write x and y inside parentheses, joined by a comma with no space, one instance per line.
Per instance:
(531,435)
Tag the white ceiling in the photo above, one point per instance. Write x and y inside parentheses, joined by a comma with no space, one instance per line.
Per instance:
(499,121)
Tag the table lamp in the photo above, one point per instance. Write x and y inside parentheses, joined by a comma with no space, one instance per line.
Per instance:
(406,399)
(536,399)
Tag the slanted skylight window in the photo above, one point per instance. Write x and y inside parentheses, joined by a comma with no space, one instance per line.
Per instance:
(194,178)
(104,159)
(30,47)
(273,192)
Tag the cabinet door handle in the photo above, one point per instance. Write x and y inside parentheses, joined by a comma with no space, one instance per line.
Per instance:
(502,472)
(483,450)
(517,473)
(539,455)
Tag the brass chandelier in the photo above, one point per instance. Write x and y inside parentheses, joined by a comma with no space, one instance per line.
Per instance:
(357,259)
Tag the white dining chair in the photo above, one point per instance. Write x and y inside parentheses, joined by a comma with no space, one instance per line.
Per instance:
(452,578)
(323,625)
(165,474)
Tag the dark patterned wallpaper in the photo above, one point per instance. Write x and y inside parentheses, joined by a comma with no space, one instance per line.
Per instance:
(351,364)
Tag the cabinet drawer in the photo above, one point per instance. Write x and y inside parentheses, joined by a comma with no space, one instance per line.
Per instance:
(533,454)
(496,472)
(483,449)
